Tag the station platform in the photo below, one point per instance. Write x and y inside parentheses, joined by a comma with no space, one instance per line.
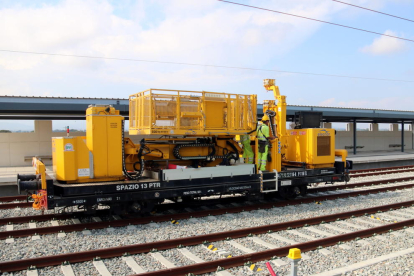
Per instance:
(362,160)
(8,178)
(381,159)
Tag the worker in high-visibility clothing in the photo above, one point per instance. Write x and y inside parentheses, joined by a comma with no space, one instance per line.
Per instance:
(263,136)
(248,154)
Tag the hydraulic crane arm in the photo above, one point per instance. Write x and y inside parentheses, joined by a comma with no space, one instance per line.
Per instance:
(279,108)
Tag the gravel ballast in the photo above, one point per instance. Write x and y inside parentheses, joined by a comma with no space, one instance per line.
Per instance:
(75,242)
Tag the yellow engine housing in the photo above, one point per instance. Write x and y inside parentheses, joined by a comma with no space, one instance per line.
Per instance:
(96,157)
(313,146)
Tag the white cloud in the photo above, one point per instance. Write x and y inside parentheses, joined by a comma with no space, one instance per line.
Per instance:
(385,45)
(188,31)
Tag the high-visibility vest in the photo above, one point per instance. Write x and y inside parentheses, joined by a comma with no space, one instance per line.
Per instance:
(262,132)
(244,138)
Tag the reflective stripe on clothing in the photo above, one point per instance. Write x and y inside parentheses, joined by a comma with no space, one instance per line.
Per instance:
(263,159)
(262,135)
(244,138)
(262,132)
(248,157)
(247,149)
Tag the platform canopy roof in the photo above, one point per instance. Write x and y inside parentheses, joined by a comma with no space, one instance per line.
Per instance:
(53,108)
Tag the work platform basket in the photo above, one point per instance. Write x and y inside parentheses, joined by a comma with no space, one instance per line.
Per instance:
(171,112)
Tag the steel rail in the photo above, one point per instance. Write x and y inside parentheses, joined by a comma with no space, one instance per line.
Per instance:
(161,207)
(207,267)
(12,198)
(36,218)
(112,252)
(16,205)
(383,172)
(182,216)
(361,184)
(54,216)
(381,169)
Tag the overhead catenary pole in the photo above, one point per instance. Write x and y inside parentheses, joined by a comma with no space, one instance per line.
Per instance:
(402,136)
(354,129)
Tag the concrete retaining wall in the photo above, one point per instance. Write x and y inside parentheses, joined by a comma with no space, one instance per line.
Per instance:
(15,146)
(373,139)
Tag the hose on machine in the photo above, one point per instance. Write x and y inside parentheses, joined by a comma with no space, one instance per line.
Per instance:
(138,173)
(272,115)
(210,157)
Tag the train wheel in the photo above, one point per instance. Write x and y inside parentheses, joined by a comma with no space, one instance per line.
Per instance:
(270,196)
(90,209)
(303,190)
(347,178)
(296,191)
(135,207)
(187,199)
(119,209)
(288,192)
(148,206)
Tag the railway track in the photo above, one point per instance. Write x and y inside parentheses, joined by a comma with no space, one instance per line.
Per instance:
(331,192)
(118,222)
(382,172)
(40,218)
(381,169)
(211,266)
(16,205)
(6,202)
(361,184)
(26,219)
(13,198)
(358,173)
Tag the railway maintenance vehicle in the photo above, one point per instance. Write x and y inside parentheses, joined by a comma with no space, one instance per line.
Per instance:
(187,149)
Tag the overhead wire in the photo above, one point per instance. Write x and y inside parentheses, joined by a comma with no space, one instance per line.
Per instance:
(202,65)
(317,20)
(373,10)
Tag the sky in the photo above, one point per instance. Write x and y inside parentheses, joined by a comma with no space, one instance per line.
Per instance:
(210,32)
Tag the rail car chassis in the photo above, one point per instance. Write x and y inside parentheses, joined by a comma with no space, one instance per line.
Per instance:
(145,194)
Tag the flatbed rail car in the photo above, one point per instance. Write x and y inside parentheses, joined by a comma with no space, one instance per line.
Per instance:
(149,192)
(197,154)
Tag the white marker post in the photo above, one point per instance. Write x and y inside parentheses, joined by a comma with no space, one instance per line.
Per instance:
(295,256)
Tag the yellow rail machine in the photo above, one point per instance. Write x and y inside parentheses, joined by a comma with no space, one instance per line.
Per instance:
(185,148)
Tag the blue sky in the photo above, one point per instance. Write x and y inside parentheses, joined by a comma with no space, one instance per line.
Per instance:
(210,32)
